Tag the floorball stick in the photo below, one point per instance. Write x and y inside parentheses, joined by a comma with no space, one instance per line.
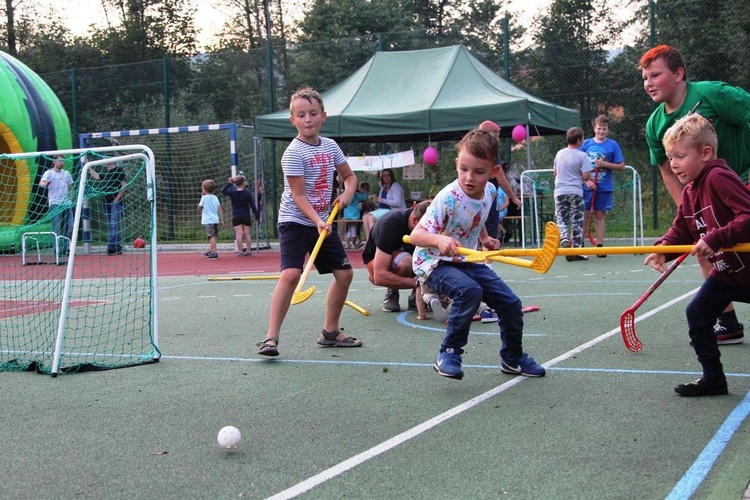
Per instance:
(359,309)
(302,295)
(627,320)
(543,257)
(626,250)
(591,217)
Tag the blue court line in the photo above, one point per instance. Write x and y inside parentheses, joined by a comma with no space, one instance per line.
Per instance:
(401,318)
(695,475)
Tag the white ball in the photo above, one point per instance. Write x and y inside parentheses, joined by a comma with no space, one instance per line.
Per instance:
(229,437)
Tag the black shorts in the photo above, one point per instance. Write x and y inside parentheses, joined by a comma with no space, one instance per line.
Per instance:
(241,221)
(296,241)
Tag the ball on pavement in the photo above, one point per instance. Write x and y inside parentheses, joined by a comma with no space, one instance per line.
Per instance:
(229,437)
(430,155)
(519,133)
(139,243)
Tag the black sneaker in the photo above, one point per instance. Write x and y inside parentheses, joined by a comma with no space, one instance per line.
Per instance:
(601,256)
(213,255)
(703,387)
(573,258)
(412,302)
(390,303)
(731,335)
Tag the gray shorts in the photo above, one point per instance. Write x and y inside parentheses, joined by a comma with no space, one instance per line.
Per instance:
(212,230)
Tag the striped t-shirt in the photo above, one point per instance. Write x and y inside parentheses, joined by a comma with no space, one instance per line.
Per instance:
(316,163)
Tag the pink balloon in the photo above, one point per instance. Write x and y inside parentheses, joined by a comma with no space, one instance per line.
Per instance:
(519,133)
(430,156)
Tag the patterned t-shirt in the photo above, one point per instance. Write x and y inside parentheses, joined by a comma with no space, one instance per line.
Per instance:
(454,214)
(316,163)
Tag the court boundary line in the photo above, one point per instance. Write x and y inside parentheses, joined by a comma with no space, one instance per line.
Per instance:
(360,458)
(696,473)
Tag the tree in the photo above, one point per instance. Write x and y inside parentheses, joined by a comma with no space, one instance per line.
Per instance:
(9,13)
(148,29)
(569,61)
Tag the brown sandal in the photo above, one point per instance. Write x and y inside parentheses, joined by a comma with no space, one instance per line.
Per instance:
(329,340)
(267,348)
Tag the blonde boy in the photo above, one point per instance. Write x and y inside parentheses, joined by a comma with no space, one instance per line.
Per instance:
(714,213)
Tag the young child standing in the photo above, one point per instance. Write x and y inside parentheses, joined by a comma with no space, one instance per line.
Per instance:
(456,218)
(211,215)
(606,157)
(352,212)
(714,214)
(572,169)
(242,204)
(308,164)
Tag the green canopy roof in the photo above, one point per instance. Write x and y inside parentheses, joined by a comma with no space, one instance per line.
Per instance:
(416,95)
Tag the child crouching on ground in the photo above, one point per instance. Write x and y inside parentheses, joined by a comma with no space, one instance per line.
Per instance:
(714,213)
(456,218)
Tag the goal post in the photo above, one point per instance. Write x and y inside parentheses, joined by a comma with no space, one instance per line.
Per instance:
(185,157)
(537,192)
(96,310)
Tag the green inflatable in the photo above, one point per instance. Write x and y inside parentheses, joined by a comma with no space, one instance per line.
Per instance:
(32,118)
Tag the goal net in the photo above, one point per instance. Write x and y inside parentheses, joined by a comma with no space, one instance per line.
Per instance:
(78,273)
(185,157)
(625,219)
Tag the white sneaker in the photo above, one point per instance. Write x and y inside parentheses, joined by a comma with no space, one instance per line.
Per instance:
(439,312)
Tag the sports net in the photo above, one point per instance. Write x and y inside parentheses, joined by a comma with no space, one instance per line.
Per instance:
(185,157)
(624,220)
(78,279)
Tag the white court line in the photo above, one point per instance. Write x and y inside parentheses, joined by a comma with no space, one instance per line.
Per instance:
(373,452)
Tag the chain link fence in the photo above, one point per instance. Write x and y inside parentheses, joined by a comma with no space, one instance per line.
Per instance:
(233,87)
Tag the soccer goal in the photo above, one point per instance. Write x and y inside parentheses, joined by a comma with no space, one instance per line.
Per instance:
(185,157)
(537,191)
(74,311)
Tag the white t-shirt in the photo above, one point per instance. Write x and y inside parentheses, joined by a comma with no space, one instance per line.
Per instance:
(210,212)
(316,163)
(454,214)
(58,187)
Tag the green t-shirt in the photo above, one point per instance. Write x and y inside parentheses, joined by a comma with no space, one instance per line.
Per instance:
(726,106)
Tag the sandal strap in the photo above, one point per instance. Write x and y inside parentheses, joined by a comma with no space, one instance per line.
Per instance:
(332,335)
(265,342)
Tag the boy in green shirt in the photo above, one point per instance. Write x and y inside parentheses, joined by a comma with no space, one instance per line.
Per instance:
(728,108)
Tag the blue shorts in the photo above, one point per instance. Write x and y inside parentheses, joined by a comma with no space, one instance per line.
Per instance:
(602,202)
(296,241)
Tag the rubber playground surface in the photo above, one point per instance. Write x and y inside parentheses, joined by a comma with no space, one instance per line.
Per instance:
(377,421)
